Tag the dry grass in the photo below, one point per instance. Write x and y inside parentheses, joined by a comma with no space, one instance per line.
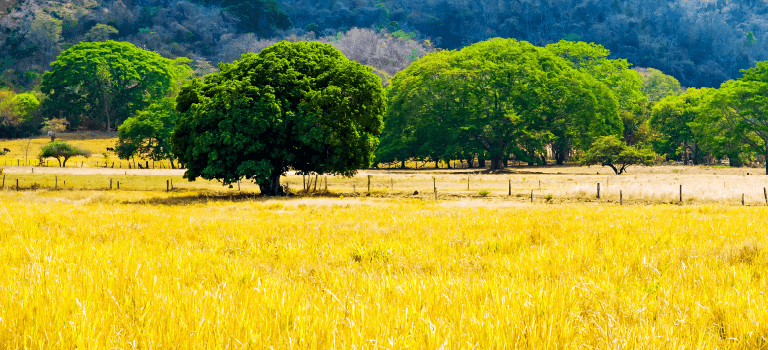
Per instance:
(93,269)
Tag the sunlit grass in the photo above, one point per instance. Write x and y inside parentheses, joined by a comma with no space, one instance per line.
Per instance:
(130,269)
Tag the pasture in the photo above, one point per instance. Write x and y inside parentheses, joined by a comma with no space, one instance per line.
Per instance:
(485,265)
(148,269)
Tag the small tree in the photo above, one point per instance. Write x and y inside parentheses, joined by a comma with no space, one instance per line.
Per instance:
(147,134)
(612,152)
(62,151)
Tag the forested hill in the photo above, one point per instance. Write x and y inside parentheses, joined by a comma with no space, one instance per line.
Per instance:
(702,43)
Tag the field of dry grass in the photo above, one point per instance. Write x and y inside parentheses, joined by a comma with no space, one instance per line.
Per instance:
(484,266)
(99,269)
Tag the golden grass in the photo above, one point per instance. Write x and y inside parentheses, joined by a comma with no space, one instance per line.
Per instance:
(24,152)
(97,269)
(648,188)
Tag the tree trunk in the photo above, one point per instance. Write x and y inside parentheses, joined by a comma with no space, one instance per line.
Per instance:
(169,159)
(560,157)
(470,163)
(271,187)
(482,163)
(495,163)
(437,164)
(402,164)
(543,159)
(734,161)
(685,153)
(506,162)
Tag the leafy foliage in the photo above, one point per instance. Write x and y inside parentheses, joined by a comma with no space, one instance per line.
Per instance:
(105,82)
(62,152)
(613,152)
(494,99)
(735,118)
(148,134)
(672,118)
(294,105)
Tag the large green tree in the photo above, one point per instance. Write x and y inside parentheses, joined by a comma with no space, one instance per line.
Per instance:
(105,82)
(736,116)
(622,81)
(496,98)
(671,119)
(301,106)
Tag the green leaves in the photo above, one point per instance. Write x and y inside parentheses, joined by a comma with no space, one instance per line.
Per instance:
(62,152)
(302,106)
(147,135)
(496,98)
(612,152)
(105,82)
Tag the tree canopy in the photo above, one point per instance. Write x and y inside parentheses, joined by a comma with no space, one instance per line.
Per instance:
(62,151)
(612,152)
(105,82)
(148,134)
(735,118)
(495,99)
(301,106)
(672,118)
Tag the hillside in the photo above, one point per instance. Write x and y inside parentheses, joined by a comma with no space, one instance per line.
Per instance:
(701,43)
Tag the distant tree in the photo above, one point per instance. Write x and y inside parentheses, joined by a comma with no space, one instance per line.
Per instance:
(262,17)
(622,81)
(148,134)
(100,32)
(657,85)
(106,82)
(496,98)
(612,152)
(738,111)
(298,105)
(45,33)
(15,108)
(671,119)
(62,152)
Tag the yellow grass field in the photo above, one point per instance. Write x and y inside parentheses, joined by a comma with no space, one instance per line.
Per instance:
(156,270)
(524,258)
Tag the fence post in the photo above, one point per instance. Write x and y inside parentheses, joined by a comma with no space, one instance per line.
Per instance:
(171,183)
(531,196)
(3,182)
(765,194)
(326,183)
(681,193)
(56,184)
(167,186)
(621,198)
(467,182)
(742,199)
(598,190)
(435,193)
(369,183)
(118,185)
(354,190)
(510,187)
(17,184)
(110,184)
